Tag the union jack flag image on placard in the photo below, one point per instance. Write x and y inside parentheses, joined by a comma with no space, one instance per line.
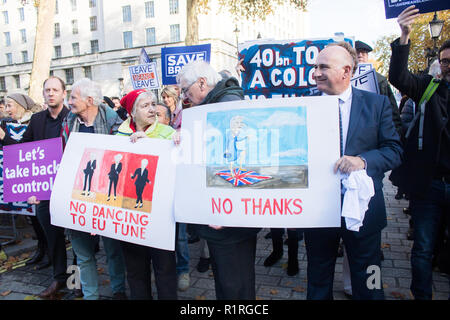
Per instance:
(242,177)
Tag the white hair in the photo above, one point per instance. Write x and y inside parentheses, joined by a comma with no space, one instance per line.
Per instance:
(146,94)
(89,88)
(194,70)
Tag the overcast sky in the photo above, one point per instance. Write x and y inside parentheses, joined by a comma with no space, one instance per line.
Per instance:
(364,19)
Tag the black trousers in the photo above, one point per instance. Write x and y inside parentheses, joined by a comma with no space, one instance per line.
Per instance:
(362,252)
(56,242)
(111,182)
(138,261)
(233,266)
(87,180)
(40,235)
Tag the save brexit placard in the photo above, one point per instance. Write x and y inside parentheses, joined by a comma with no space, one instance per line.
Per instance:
(394,7)
(29,169)
(174,58)
(144,76)
(280,68)
(109,186)
(260,163)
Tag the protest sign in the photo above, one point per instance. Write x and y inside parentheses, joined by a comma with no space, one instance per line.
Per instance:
(260,163)
(362,68)
(366,81)
(12,207)
(174,58)
(15,131)
(394,7)
(144,76)
(30,169)
(276,69)
(109,186)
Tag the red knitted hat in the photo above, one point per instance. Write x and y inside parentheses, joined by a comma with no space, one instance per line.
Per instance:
(128,101)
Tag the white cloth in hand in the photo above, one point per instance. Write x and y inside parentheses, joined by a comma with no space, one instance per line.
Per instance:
(358,192)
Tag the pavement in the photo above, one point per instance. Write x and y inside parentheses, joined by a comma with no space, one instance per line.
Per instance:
(20,282)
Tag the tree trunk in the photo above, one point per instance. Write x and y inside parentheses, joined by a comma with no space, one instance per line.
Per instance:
(43,46)
(191,22)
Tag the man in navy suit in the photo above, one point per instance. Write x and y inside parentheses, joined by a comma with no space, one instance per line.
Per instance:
(369,142)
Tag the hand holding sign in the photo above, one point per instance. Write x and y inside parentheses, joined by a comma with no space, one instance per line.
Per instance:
(405,20)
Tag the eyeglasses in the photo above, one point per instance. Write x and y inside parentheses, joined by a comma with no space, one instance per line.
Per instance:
(445,62)
(185,90)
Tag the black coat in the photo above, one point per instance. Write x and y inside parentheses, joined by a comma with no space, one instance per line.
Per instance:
(114,172)
(141,179)
(421,165)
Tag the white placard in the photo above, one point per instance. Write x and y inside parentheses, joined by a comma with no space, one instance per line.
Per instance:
(85,179)
(281,151)
(366,81)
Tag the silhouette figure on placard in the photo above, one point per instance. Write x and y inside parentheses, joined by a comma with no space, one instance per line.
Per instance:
(88,173)
(113,175)
(141,175)
(235,148)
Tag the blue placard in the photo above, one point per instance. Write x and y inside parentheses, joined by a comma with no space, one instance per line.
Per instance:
(280,69)
(174,58)
(394,7)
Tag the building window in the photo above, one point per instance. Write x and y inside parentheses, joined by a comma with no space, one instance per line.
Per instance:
(7,39)
(149,9)
(94,46)
(69,76)
(56,7)
(2,84)
(74,4)
(57,30)
(21,14)
(173,6)
(128,39)
(23,35)
(76,48)
(24,56)
(17,79)
(74,27)
(126,13)
(58,53)
(92,3)
(88,72)
(5,17)
(174,32)
(9,58)
(150,36)
(93,23)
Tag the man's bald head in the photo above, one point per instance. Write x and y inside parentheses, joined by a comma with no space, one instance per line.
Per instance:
(348,53)
(334,69)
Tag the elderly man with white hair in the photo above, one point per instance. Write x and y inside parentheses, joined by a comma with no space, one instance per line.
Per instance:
(232,250)
(88,114)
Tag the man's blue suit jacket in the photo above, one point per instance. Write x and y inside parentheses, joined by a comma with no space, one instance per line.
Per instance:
(372,135)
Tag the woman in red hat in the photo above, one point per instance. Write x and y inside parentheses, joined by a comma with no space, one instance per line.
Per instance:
(142,122)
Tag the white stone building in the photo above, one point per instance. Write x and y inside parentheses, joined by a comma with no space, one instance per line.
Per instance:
(100,39)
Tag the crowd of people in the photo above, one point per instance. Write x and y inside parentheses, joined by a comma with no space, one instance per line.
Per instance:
(374,139)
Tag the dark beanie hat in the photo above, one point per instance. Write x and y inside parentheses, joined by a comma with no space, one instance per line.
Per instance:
(25,101)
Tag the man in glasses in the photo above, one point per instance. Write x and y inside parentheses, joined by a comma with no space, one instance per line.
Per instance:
(426,159)
(232,250)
